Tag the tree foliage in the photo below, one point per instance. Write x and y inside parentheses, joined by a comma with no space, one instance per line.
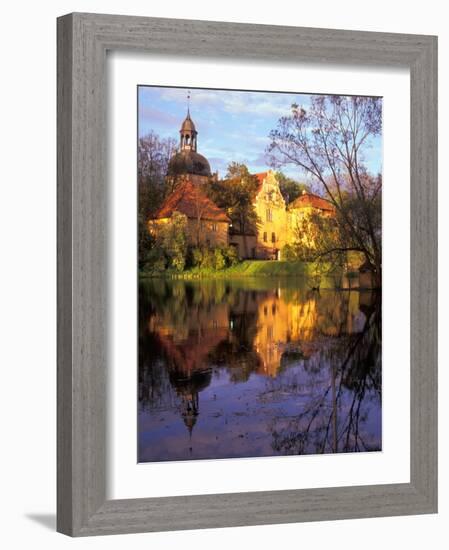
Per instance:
(290,188)
(173,241)
(153,156)
(216,259)
(145,241)
(235,194)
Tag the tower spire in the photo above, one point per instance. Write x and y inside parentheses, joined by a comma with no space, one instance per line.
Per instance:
(188,131)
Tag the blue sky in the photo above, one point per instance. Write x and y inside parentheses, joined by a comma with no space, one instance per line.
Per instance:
(231,125)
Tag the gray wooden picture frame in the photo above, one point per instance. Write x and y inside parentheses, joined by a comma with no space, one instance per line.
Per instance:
(83,40)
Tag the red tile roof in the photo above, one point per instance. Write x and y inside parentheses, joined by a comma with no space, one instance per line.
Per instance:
(260,177)
(309,199)
(188,199)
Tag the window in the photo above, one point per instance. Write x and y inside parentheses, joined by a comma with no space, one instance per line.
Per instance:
(265,237)
(273,237)
(214,227)
(269,215)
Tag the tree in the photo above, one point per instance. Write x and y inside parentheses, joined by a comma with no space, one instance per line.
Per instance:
(328,142)
(153,156)
(173,240)
(200,204)
(145,241)
(236,194)
(290,188)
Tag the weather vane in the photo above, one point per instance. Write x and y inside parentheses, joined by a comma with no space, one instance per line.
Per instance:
(188,101)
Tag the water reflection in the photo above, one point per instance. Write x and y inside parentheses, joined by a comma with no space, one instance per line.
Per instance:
(256,367)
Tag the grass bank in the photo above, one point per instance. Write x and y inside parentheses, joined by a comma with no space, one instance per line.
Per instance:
(247,268)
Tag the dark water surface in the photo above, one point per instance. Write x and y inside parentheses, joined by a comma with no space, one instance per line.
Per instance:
(256,367)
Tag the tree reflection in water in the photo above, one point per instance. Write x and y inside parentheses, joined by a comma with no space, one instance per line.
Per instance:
(257,368)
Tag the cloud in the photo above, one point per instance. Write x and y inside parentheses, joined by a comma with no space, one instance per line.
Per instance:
(151,115)
(260,159)
(259,104)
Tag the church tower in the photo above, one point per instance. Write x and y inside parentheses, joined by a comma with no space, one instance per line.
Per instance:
(187,164)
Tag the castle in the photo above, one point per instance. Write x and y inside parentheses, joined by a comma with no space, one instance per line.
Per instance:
(207,224)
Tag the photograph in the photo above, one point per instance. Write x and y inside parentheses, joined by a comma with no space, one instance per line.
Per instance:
(259,273)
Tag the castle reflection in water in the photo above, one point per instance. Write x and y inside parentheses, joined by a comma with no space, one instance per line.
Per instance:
(256,367)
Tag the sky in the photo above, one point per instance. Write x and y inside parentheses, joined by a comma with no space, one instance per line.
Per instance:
(231,125)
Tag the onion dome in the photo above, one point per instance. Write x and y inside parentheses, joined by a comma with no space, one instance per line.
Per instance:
(188,162)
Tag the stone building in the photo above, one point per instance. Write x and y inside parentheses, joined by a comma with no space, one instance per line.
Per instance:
(301,211)
(206,223)
(188,173)
(270,208)
(278,222)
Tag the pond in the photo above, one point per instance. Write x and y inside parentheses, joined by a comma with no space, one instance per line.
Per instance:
(256,367)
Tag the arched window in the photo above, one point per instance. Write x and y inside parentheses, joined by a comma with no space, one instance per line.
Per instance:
(187,139)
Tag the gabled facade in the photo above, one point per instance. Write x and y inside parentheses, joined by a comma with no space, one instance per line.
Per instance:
(278,223)
(301,213)
(271,209)
(206,223)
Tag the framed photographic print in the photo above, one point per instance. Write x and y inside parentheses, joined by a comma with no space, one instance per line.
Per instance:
(252,285)
(246,274)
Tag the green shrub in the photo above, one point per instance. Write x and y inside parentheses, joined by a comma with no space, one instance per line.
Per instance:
(219,259)
(288,253)
(196,256)
(208,259)
(178,261)
(231,256)
(173,241)
(154,261)
(146,241)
